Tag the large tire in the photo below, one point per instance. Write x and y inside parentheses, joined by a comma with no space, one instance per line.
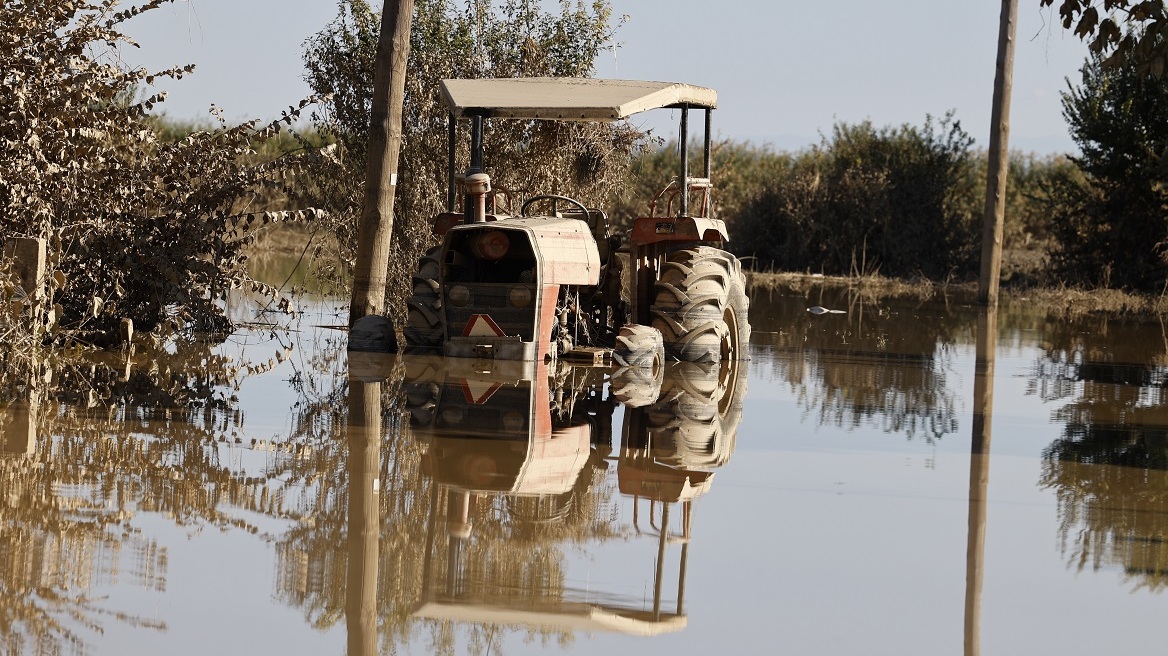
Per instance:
(639,358)
(694,423)
(700,306)
(637,388)
(639,346)
(423,327)
(423,377)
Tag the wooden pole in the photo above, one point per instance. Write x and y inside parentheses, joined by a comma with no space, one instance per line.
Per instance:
(385,133)
(995,207)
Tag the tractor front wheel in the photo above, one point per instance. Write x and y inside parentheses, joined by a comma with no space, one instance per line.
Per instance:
(640,360)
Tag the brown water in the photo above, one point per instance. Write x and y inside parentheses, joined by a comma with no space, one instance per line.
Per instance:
(856,488)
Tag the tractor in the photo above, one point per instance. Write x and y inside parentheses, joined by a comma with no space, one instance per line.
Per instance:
(550,281)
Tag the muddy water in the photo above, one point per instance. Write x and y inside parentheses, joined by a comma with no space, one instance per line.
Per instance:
(893,478)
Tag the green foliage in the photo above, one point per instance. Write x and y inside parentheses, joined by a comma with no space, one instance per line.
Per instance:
(896,200)
(1121,30)
(1030,196)
(480,39)
(1112,223)
(143,226)
(740,170)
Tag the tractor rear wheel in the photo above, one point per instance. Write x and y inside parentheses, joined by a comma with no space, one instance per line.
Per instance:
(424,307)
(700,306)
(694,423)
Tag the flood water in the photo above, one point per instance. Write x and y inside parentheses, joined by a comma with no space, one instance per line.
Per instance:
(855,488)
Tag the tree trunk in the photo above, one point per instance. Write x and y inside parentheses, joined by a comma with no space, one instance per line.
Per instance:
(999,157)
(385,133)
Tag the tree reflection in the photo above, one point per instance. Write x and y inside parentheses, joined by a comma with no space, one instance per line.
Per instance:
(880,365)
(1109,469)
(87,446)
(1095,356)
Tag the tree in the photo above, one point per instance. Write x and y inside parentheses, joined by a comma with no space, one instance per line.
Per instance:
(1111,226)
(894,200)
(140,227)
(1145,38)
(481,39)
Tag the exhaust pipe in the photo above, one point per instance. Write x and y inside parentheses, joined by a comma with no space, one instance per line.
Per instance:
(478,185)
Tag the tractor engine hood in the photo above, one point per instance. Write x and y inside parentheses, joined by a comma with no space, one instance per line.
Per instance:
(565,249)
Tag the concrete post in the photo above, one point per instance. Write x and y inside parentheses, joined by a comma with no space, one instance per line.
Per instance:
(375,230)
(18,424)
(28,260)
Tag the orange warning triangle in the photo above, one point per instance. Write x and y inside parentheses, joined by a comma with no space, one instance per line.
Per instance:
(481,325)
(478,391)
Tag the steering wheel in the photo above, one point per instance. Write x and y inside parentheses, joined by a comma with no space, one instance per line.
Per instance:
(554,198)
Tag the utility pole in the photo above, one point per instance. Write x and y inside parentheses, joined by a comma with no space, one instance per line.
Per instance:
(999,159)
(375,230)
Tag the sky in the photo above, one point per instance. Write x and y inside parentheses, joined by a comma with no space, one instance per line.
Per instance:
(785,71)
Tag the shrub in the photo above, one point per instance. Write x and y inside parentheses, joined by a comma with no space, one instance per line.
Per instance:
(741,171)
(898,200)
(1030,196)
(142,228)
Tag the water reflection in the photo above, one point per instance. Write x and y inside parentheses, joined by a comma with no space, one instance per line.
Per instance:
(86,447)
(519,457)
(409,506)
(355,493)
(884,365)
(1109,469)
(979,473)
(364,443)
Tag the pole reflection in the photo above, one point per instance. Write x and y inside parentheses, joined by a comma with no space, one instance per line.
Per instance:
(979,473)
(364,442)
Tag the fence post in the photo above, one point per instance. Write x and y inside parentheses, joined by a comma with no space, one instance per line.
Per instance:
(27,260)
(18,425)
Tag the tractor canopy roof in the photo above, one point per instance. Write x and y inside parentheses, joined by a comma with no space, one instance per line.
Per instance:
(568,99)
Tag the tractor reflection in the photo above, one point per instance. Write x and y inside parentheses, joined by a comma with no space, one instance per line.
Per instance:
(522,459)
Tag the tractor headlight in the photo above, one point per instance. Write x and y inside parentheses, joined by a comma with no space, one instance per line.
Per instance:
(519,297)
(513,421)
(459,296)
(491,245)
(452,415)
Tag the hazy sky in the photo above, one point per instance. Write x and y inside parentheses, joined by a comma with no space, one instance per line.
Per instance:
(785,71)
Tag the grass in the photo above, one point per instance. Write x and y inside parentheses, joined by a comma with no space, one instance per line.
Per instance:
(1019,286)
